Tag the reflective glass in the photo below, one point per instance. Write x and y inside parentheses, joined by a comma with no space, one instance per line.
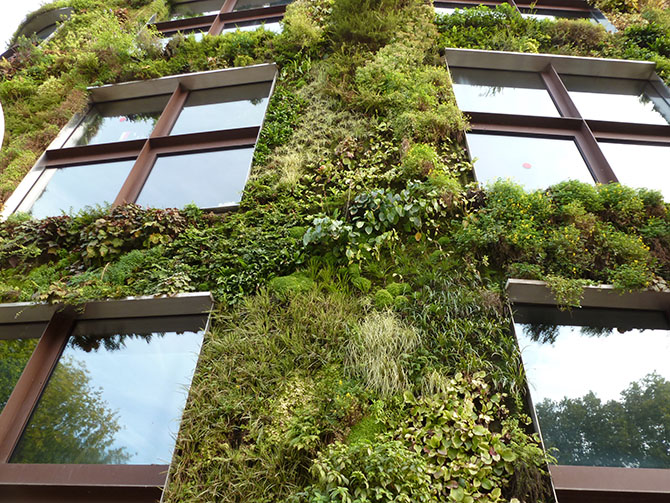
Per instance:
(619,100)
(196,8)
(257,4)
(600,383)
(223,108)
(272,25)
(539,17)
(535,163)
(197,36)
(72,188)
(116,395)
(207,179)
(445,10)
(502,92)
(640,165)
(116,121)
(17,342)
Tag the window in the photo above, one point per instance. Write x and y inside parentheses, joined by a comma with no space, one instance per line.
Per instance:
(543,9)
(40,26)
(214,17)
(599,386)
(541,119)
(94,398)
(162,143)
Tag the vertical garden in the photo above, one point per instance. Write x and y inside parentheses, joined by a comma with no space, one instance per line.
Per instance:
(361,345)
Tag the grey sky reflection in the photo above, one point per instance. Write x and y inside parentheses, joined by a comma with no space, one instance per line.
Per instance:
(535,163)
(575,363)
(502,92)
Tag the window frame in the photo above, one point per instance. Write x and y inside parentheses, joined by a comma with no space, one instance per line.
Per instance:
(597,484)
(574,9)
(45,481)
(585,132)
(214,24)
(159,142)
(38,23)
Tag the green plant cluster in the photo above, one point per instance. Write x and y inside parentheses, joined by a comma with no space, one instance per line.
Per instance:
(643,33)
(360,348)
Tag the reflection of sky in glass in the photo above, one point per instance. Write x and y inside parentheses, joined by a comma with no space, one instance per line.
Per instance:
(600,387)
(539,17)
(535,163)
(223,108)
(119,121)
(445,10)
(144,382)
(576,363)
(640,165)
(620,100)
(197,36)
(208,179)
(257,4)
(72,188)
(273,26)
(502,92)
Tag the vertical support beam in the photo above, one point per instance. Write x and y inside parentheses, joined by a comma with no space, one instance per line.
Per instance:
(145,160)
(33,380)
(559,94)
(217,25)
(588,145)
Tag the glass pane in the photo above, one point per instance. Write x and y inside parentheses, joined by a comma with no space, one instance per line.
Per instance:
(539,17)
(44,33)
(257,4)
(622,100)
(17,343)
(640,165)
(207,179)
(268,24)
(116,395)
(196,8)
(600,382)
(445,11)
(223,108)
(116,121)
(72,188)
(535,163)
(502,92)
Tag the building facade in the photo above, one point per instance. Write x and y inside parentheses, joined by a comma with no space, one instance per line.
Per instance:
(336,250)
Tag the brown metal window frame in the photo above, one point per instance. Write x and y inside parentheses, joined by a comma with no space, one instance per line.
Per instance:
(585,133)
(214,24)
(597,484)
(159,142)
(23,482)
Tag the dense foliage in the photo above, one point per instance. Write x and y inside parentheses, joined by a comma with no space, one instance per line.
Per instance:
(360,349)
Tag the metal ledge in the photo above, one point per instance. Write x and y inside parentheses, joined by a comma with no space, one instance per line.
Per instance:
(192,81)
(131,307)
(528,291)
(41,20)
(573,65)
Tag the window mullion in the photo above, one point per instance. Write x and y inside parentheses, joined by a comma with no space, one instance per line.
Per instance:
(140,172)
(600,167)
(34,378)
(559,93)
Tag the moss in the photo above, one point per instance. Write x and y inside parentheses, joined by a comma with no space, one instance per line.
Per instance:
(383,299)
(295,283)
(396,289)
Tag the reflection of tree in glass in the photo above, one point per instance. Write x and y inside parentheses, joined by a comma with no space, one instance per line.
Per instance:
(14,355)
(95,121)
(90,343)
(631,432)
(547,333)
(72,424)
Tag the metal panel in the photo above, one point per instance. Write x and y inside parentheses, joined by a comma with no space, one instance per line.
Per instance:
(517,61)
